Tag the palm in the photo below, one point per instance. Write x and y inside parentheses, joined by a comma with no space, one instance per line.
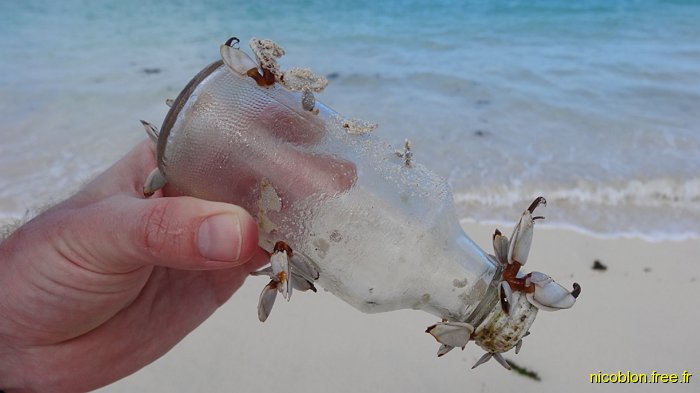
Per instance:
(170,305)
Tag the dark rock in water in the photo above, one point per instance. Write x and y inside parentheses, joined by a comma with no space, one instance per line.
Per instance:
(480,133)
(151,71)
(333,75)
(599,266)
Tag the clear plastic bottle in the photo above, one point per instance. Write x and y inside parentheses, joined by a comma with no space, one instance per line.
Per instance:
(380,229)
(383,234)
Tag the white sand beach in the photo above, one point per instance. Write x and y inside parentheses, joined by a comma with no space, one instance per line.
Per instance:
(639,315)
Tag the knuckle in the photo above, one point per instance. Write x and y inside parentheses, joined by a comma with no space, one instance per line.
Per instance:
(159,229)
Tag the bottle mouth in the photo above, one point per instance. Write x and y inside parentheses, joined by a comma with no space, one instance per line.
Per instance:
(495,331)
(490,299)
(179,103)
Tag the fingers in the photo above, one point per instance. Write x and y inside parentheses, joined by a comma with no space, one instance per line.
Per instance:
(295,173)
(298,175)
(288,125)
(122,233)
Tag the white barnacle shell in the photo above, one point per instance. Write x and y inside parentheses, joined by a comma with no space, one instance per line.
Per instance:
(267,300)
(304,273)
(303,267)
(500,247)
(506,293)
(444,349)
(538,278)
(549,295)
(237,60)
(521,240)
(452,334)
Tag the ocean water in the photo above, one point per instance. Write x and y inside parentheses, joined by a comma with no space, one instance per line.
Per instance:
(593,104)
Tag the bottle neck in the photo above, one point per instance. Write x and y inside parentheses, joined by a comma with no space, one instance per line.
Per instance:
(489,301)
(496,331)
(464,285)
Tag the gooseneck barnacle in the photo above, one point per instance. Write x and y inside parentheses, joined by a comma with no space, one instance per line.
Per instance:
(520,296)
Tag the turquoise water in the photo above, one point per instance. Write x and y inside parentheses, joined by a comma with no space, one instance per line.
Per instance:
(593,104)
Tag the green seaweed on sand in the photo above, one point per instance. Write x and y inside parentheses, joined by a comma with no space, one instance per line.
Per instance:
(523,371)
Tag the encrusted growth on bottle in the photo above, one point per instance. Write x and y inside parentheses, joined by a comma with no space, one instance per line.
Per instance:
(513,298)
(500,331)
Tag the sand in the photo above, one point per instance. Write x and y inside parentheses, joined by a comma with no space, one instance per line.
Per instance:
(638,315)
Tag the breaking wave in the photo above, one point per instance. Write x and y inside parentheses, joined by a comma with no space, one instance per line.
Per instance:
(655,209)
(655,193)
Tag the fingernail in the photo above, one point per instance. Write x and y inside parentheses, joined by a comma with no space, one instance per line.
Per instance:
(219,238)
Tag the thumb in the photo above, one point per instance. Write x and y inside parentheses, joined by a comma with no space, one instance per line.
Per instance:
(121,233)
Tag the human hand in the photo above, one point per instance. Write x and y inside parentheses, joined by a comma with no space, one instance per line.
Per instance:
(106,282)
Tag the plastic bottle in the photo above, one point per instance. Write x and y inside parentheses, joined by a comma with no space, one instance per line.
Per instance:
(379,229)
